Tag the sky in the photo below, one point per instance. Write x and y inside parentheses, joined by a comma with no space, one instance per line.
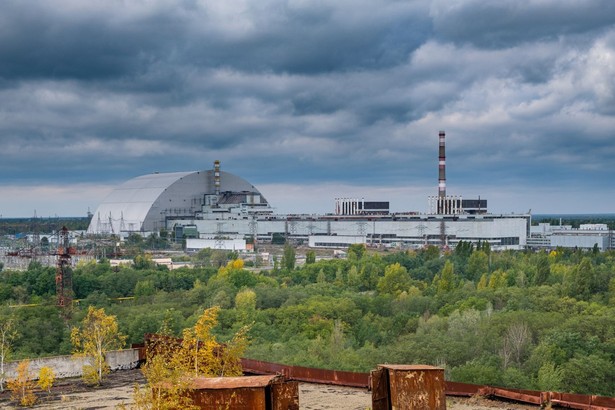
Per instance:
(310,100)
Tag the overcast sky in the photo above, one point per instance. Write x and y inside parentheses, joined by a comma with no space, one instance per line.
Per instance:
(310,100)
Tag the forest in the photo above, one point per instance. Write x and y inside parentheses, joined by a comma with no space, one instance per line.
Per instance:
(543,321)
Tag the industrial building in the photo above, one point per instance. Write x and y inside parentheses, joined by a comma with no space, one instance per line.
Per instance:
(217,205)
(587,236)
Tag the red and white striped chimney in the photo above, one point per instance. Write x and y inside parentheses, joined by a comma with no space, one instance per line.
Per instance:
(217,177)
(442,168)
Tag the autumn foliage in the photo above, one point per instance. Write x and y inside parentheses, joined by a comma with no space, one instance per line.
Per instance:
(22,386)
(172,364)
(46,377)
(97,335)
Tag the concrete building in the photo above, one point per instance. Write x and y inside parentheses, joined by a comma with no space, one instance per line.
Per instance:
(195,245)
(335,241)
(547,236)
(413,231)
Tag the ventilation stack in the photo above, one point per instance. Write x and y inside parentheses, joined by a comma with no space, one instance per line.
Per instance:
(217,177)
(442,174)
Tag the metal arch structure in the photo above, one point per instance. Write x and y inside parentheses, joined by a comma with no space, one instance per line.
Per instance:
(145,202)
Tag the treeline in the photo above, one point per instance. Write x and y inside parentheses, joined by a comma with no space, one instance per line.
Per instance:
(575,220)
(526,320)
(13,226)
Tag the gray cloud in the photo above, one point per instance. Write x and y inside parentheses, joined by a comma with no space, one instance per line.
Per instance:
(508,23)
(345,93)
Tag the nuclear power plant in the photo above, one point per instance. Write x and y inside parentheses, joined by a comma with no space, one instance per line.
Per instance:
(217,209)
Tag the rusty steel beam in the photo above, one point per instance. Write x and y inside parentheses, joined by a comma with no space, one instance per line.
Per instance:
(512,394)
(460,389)
(581,401)
(579,406)
(306,374)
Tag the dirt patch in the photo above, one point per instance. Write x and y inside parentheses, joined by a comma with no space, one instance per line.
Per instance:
(321,397)
(73,394)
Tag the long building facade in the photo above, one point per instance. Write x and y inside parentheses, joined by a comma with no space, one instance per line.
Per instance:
(412,231)
(213,204)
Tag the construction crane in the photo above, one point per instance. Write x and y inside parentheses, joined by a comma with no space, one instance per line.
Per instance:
(64,278)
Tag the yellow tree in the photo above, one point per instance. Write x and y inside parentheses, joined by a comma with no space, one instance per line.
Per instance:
(167,385)
(172,364)
(231,352)
(199,346)
(245,303)
(22,386)
(97,335)
(46,377)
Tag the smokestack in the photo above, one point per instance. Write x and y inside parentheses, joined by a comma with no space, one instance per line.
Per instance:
(217,177)
(442,168)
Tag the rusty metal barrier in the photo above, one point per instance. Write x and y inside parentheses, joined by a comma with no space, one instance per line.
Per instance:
(581,401)
(362,380)
(525,396)
(351,379)
(460,389)
(307,374)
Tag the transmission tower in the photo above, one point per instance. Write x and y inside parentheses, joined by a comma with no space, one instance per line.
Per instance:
(443,241)
(64,279)
(36,237)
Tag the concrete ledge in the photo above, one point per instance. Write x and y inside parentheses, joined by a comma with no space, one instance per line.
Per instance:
(70,366)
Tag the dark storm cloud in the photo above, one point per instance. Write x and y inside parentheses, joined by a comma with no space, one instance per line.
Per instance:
(128,40)
(344,93)
(506,23)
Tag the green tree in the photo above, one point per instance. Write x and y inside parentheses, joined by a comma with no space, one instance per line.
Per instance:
(354,278)
(245,303)
(430,253)
(543,270)
(498,279)
(356,251)
(395,280)
(582,281)
(464,248)
(478,263)
(310,257)
(288,258)
(550,377)
(477,372)
(144,261)
(589,374)
(445,281)
(144,288)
